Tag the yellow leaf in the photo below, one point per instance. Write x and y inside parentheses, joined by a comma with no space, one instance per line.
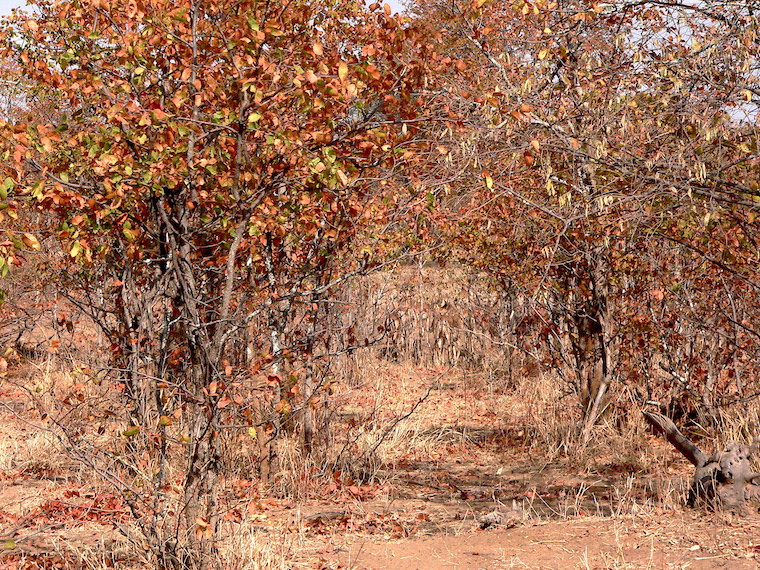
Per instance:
(342,71)
(31,242)
(489,182)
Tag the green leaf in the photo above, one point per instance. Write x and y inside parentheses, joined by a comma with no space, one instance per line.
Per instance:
(37,190)
(76,249)
(9,544)
(330,154)
(6,186)
(131,432)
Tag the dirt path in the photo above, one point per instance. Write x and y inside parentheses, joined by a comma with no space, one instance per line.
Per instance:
(678,540)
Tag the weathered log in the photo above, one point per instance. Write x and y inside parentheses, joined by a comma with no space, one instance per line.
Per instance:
(682,443)
(723,480)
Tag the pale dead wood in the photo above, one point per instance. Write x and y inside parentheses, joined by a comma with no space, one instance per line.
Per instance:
(723,480)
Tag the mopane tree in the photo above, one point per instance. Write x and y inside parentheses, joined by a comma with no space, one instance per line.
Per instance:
(210,164)
(600,153)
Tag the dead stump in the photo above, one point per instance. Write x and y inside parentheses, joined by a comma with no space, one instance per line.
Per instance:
(722,481)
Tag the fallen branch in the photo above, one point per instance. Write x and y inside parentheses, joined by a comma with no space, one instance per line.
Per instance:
(723,480)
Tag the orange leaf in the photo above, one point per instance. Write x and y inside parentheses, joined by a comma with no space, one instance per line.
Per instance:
(317,49)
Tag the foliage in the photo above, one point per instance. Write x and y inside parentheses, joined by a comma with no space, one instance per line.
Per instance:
(603,167)
(208,163)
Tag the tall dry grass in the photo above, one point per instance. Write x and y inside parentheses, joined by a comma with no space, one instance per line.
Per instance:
(431,316)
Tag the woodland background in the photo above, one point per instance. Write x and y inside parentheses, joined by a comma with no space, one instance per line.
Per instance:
(221,219)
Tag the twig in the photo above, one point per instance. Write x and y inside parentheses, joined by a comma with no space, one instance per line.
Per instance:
(398,420)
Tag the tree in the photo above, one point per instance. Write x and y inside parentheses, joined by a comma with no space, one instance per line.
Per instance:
(208,162)
(599,149)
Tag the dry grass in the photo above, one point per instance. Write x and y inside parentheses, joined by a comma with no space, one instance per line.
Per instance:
(452,410)
(36,454)
(248,548)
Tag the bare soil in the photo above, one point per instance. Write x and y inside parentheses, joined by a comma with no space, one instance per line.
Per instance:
(619,542)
